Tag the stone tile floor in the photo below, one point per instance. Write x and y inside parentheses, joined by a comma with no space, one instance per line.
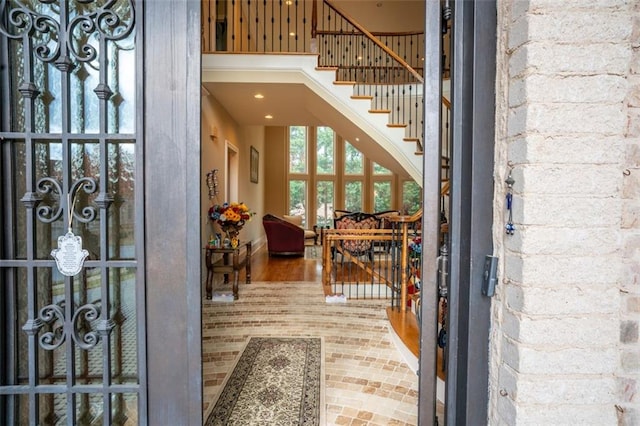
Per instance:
(366,380)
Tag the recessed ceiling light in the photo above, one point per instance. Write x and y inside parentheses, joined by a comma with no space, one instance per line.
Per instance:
(357,139)
(258,96)
(288,2)
(292,34)
(268,116)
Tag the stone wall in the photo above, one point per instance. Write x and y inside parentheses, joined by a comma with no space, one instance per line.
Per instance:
(564,346)
(628,408)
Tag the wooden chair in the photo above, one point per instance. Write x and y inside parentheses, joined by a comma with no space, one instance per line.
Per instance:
(357,220)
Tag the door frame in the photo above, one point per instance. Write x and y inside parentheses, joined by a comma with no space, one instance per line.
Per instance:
(172,223)
(473,64)
(172,65)
(472,193)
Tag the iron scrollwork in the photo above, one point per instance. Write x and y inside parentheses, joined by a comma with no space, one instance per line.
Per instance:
(105,21)
(49,214)
(81,330)
(54,316)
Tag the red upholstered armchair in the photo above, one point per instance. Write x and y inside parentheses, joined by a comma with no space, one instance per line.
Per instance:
(283,237)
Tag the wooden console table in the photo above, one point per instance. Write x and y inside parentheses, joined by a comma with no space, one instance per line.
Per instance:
(226,267)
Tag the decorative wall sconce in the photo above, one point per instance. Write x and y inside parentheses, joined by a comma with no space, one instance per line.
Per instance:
(213,133)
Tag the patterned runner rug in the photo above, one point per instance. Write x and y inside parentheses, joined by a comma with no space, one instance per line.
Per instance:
(276,381)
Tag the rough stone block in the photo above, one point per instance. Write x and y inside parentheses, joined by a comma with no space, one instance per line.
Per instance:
(567,118)
(574,300)
(632,129)
(564,241)
(550,361)
(628,416)
(574,89)
(597,6)
(593,331)
(552,59)
(597,272)
(630,361)
(631,244)
(630,215)
(567,390)
(567,210)
(631,185)
(518,32)
(567,149)
(580,26)
(629,332)
(517,121)
(632,155)
(627,388)
(633,94)
(507,411)
(630,276)
(517,92)
(591,180)
(565,415)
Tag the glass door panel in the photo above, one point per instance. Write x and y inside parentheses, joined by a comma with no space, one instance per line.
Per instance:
(69,160)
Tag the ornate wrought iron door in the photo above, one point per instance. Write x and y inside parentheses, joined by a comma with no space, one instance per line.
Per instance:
(71,345)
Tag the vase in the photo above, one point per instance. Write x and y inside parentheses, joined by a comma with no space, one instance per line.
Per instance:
(231,233)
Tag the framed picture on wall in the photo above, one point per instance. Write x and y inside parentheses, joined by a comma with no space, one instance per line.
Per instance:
(253,166)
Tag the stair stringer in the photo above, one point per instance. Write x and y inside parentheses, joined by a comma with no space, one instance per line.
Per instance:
(302,69)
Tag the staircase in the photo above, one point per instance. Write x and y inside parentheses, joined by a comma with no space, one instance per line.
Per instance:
(344,107)
(372,83)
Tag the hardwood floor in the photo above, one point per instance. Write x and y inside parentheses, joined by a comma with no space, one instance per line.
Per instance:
(287,268)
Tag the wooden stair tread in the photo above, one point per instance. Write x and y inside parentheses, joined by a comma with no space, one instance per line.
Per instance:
(411,139)
(362,97)
(398,125)
(380,111)
(344,83)
(327,68)
(406,327)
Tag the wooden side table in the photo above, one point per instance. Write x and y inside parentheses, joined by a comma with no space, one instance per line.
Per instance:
(224,266)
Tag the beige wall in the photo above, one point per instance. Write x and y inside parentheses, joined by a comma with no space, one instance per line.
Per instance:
(213,157)
(275,201)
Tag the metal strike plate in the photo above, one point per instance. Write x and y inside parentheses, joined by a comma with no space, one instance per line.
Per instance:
(489,276)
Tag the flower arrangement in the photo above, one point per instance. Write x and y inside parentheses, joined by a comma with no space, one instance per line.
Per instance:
(231,217)
(415,247)
(415,251)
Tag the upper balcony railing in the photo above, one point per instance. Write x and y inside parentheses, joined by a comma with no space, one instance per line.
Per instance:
(384,67)
(305,26)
